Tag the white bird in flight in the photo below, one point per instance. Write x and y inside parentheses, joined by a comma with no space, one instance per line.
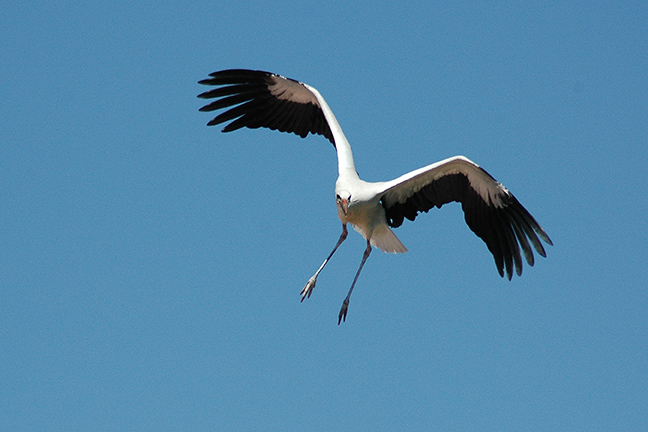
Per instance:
(263,99)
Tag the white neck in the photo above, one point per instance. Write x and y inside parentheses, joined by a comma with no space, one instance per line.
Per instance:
(344,153)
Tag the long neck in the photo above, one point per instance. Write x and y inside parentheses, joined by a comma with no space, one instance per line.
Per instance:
(342,146)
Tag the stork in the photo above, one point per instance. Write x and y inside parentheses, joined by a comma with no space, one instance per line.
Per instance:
(262,99)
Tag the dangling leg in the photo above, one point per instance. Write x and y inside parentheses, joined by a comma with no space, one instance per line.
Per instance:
(345,303)
(308,289)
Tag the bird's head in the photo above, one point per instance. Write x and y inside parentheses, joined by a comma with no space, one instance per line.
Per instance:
(342,199)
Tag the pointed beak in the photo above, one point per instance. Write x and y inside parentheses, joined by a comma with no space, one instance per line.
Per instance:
(344,205)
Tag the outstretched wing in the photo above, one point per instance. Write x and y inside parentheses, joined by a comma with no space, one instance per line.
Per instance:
(491,211)
(262,99)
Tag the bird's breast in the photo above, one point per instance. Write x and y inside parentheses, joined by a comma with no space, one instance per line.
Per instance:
(364,216)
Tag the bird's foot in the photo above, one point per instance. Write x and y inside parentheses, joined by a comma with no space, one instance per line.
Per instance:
(308,289)
(343,311)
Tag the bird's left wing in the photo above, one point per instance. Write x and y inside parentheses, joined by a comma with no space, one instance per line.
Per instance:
(262,99)
(491,211)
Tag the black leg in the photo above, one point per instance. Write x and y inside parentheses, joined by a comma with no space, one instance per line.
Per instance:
(308,289)
(345,303)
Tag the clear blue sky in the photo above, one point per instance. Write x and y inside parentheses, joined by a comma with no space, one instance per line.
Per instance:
(150,266)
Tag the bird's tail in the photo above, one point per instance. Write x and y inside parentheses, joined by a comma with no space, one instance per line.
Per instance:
(384,238)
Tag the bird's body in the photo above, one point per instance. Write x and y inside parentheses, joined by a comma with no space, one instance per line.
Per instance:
(262,99)
(365,213)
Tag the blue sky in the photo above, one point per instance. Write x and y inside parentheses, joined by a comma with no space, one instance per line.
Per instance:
(150,266)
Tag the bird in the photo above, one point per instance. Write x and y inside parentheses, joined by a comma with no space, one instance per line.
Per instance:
(259,99)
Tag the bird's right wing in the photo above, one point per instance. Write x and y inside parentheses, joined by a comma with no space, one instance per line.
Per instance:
(262,99)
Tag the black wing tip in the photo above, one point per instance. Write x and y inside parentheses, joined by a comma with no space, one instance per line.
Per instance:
(543,235)
(507,273)
(527,235)
(224,76)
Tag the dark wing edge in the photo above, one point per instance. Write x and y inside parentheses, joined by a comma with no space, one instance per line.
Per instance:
(262,99)
(505,229)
